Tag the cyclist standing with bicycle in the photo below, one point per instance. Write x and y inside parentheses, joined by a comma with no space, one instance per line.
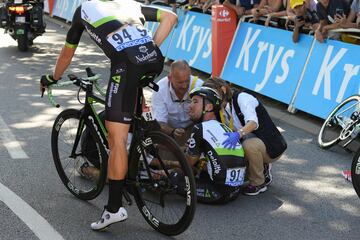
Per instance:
(117,27)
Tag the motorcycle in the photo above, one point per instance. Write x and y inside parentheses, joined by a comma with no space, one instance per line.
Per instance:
(23,20)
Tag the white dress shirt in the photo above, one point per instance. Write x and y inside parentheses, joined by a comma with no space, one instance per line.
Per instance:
(166,106)
(248,105)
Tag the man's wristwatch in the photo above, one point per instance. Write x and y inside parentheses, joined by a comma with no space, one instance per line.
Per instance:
(242,132)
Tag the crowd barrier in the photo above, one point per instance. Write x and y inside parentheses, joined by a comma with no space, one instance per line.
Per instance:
(307,75)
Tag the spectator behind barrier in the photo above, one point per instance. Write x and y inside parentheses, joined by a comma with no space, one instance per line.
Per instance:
(266,7)
(353,19)
(242,7)
(328,11)
(283,12)
(305,17)
(170,104)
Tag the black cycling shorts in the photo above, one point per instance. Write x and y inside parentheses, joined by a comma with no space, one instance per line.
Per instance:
(125,78)
(210,192)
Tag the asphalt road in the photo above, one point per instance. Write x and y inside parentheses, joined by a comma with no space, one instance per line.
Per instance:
(308,199)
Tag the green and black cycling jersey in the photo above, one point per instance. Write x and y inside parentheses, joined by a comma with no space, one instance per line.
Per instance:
(224,166)
(113,25)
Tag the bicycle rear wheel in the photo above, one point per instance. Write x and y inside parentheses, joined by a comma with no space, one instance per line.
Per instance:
(80,176)
(337,126)
(162,183)
(355,172)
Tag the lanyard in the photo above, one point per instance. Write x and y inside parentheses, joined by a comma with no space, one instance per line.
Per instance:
(231,120)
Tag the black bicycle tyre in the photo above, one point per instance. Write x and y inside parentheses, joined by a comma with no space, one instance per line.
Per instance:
(321,142)
(59,121)
(355,172)
(185,221)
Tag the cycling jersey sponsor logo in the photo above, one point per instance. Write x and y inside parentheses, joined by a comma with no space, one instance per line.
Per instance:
(85,16)
(93,35)
(214,161)
(127,119)
(146,57)
(110,94)
(143,49)
(133,43)
(213,138)
(115,88)
(191,141)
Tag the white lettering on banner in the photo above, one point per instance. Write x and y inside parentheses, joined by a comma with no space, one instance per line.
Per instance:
(182,37)
(350,71)
(270,65)
(244,53)
(262,48)
(271,60)
(198,32)
(285,66)
(201,42)
(325,72)
(208,52)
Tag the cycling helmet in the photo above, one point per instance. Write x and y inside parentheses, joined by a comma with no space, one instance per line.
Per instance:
(208,93)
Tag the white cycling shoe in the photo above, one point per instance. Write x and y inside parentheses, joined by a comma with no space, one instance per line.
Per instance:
(108,218)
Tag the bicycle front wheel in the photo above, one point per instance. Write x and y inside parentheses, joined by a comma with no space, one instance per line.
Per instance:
(337,126)
(355,172)
(80,175)
(162,183)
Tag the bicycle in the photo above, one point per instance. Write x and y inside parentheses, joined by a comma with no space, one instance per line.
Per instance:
(355,172)
(342,124)
(159,177)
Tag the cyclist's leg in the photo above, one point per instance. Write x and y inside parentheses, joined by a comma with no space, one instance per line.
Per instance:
(120,103)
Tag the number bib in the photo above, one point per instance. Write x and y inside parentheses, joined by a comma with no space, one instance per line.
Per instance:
(129,36)
(235,176)
(148,116)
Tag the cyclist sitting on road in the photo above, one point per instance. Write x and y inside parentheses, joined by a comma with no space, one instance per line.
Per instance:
(225,167)
(262,142)
(117,27)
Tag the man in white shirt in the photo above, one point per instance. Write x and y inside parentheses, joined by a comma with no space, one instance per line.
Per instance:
(170,104)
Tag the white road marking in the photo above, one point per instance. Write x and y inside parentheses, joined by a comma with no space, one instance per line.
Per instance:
(9,141)
(41,228)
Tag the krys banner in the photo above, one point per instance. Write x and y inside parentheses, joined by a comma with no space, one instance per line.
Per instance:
(332,75)
(66,8)
(266,60)
(191,40)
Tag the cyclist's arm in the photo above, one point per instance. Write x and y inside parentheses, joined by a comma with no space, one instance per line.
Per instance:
(166,18)
(72,40)
(193,151)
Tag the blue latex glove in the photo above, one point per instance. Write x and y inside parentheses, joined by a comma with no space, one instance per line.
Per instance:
(232,140)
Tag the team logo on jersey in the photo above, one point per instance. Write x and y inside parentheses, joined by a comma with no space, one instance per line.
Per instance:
(214,161)
(143,49)
(191,141)
(93,35)
(146,57)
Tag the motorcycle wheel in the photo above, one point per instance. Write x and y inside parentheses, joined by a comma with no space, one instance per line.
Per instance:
(23,43)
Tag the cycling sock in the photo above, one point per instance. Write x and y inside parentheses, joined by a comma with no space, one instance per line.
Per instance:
(115,195)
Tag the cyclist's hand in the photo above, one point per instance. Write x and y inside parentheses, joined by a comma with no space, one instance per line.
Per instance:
(232,140)
(46,81)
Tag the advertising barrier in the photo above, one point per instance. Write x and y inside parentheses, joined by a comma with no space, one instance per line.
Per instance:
(191,40)
(65,9)
(333,74)
(266,64)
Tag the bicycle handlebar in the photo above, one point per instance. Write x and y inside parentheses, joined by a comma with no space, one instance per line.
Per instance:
(80,82)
